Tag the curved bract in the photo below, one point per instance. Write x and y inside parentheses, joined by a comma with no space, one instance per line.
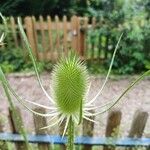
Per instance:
(70,79)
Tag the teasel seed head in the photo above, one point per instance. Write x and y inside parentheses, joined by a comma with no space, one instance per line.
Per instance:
(70,80)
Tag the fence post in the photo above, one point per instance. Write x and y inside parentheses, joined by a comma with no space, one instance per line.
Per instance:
(112,128)
(30,34)
(49,24)
(37,53)
(88,130)
(138,125)
(16,128)
(40,122)
(92,42)
(65,44)
(57,37)
(42,30)
(13,27)
(82,43)
(75,33)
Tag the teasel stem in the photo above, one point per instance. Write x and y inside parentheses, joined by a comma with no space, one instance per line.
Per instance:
(70,143)
(12,107)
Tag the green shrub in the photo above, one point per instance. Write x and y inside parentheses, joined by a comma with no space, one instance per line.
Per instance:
(13,60)
(131,18)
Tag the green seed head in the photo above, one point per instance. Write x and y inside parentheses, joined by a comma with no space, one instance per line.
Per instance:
(70,80)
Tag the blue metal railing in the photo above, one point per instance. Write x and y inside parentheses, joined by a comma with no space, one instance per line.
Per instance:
(80,140)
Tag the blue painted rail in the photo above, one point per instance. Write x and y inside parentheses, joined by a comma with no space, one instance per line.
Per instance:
(56,139)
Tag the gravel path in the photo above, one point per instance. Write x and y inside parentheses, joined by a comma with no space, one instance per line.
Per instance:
(139,98)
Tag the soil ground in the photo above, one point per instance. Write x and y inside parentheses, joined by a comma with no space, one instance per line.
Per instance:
(137,99)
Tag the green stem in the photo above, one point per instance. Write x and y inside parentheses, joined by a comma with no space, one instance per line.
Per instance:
(70,143)
(12,107)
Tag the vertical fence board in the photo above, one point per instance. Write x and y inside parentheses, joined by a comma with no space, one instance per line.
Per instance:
(78,36)
(57,37)
(138,125)
(88,130)
(112,128)
(93,43)
(40,122)
(86,20)
(13,27)
(74,33)
(43,51)
(65,44)
(50,52)
(35,37)
(30,33)
(82,43)
(15,128)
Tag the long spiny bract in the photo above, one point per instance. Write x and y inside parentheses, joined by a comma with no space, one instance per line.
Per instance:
(33,59)
(109,71)
(70,80)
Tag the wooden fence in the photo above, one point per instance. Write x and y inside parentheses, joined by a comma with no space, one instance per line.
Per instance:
(50,39)
(109,142)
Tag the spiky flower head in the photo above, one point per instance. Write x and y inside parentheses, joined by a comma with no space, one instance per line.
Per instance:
(70,80)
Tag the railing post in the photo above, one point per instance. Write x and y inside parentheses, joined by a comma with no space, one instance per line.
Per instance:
(112,128)
(16,128)
(40,122)
(88,130)
(138,125)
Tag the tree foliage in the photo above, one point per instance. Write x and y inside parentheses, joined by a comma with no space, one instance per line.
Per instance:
(132,17)
(38,7)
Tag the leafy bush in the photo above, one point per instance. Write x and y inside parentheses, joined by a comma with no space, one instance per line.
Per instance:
(131,18)
(13,60)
